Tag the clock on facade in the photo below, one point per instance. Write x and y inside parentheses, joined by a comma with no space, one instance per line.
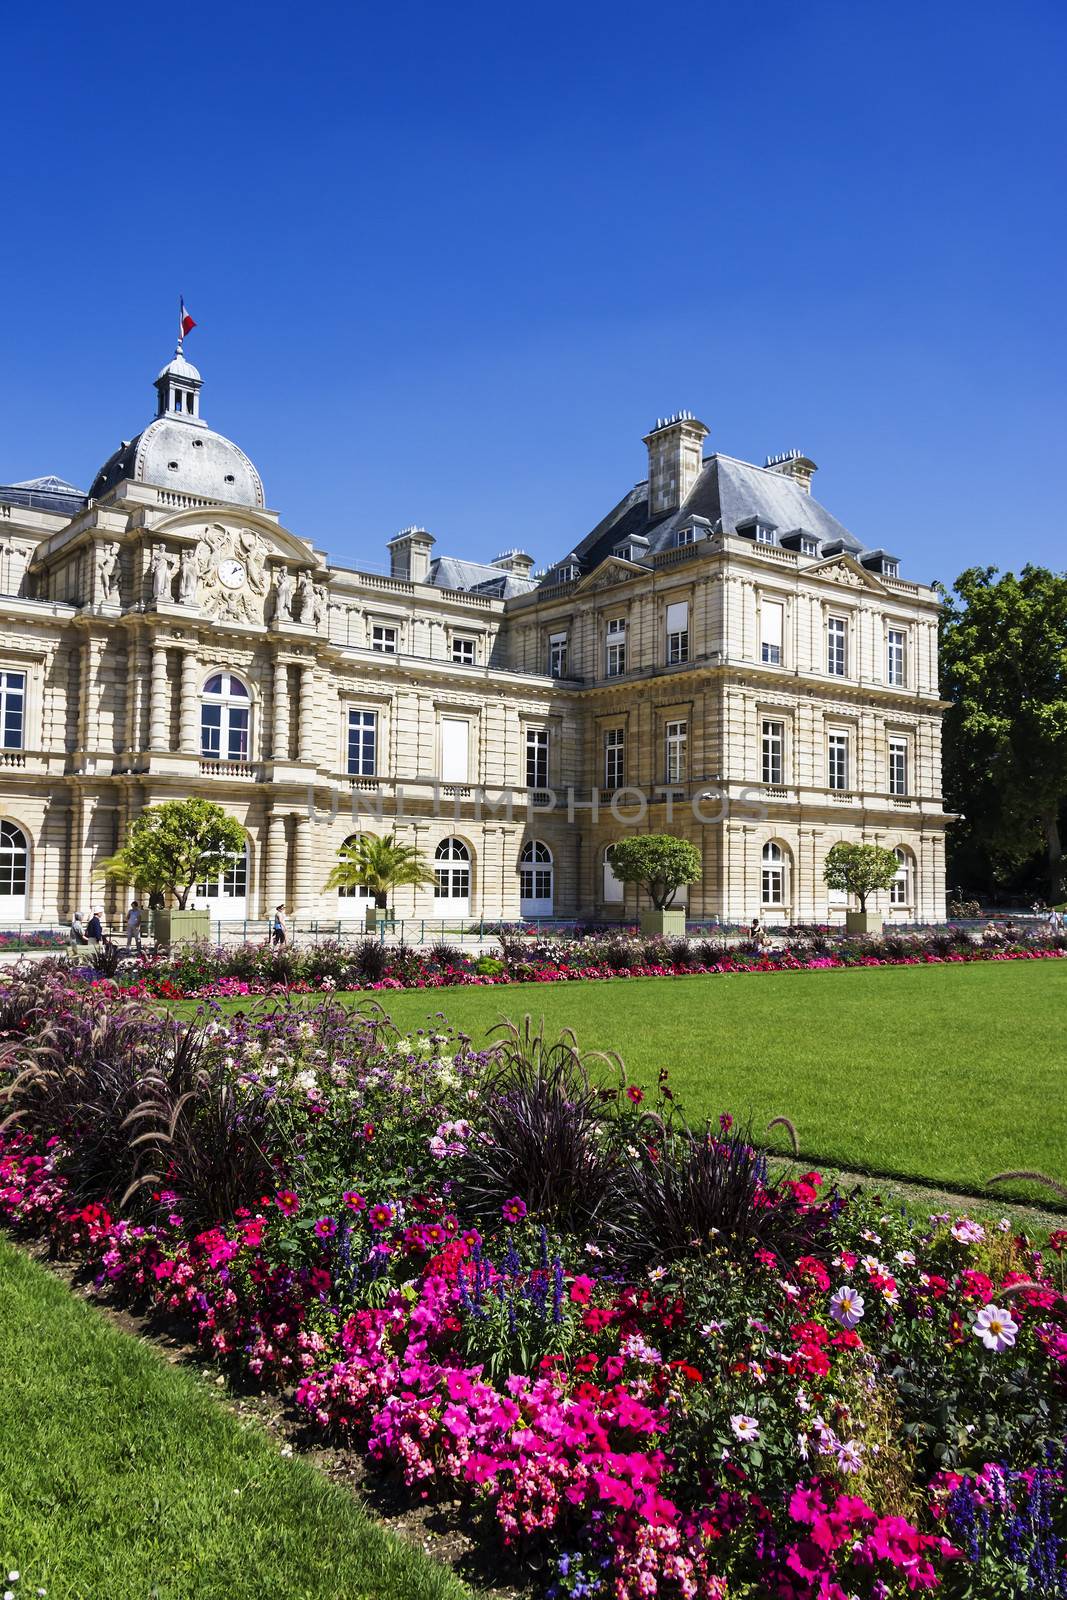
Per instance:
(231,573)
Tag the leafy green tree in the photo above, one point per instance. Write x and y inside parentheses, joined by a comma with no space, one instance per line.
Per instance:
(860,869)
(378,864)
(659,862)
(171,847)
(1004,668)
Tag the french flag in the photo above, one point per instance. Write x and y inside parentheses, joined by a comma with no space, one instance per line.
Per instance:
(185,321)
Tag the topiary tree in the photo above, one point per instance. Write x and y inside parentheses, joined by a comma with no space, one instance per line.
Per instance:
(659,862)
(380,865)
(860,869)
(171,847)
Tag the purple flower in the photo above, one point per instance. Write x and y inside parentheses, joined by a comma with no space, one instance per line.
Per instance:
(326,1227)
(513,1210)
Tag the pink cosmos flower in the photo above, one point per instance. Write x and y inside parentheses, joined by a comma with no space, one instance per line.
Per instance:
(745,1428)
(846,1306)
(513,1210)
(326,1227)
(995,1327)
(287,1202)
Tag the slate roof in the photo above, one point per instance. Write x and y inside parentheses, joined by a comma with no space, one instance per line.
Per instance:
(480,577)
(44,494)
(726,493)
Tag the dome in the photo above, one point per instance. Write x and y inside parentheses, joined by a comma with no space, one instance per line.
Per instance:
(178,367)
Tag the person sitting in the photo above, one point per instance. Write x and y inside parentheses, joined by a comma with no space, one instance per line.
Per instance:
(94,929)
(77,937)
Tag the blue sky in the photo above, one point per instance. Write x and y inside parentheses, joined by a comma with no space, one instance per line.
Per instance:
(450,262)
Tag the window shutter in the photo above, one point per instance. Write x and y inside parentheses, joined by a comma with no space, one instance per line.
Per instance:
(771,613)
(678,617)
(455,745)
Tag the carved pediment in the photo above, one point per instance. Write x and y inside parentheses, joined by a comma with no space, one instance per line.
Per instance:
(613,570)
(844,570)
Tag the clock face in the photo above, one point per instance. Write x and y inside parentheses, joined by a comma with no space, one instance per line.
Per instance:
(231,573)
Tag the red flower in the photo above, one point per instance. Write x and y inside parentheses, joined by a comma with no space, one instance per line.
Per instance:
(634,1094)
(581,1290)
(287,1202)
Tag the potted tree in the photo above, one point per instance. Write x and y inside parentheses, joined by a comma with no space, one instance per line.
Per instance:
(169,849)
(379,865)
(660,864)
(861,869)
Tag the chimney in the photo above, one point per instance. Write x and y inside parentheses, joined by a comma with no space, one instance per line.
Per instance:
(409,554)
(675,457)
(791,464)
(516,561)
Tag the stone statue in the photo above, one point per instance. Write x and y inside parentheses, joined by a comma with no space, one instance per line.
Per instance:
(284,588)
(188,577)
(162,573)
(304,608)
(318,610)
(107,568)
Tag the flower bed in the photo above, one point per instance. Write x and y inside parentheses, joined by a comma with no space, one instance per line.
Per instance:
(210,972)
(644,1367)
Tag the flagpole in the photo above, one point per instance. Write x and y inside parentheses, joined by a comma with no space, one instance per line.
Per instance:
(181,334)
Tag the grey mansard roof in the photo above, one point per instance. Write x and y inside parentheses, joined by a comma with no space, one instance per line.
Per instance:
(726,493)
(449,572)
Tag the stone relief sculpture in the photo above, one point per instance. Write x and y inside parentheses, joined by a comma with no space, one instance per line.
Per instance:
(161,573)
(284,590)
(304,606)
(241,555)
(188,577)
(107,571)
(318,611)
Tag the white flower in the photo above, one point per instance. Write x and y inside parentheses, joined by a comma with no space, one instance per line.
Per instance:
(846,1306)
(789,1289)
(802,1445)
(745,1428)
(709,1329)
(995,1327)
(906,1258)
(438,1147)
(593,1250)
(9,1594)
(872,1238)
(870,1264)
(803,1403)
(656,1273)
(287,1450)
(1004,1224)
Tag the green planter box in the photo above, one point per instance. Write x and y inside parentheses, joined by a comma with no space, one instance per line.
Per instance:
(376,915)
(867,922)
(181,927)
(669,924)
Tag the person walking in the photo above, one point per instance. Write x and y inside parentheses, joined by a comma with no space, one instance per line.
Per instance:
(278,932)
(77,937)
(133,927)
(94,930)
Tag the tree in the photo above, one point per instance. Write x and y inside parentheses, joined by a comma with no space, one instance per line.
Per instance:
(1004,668)
(860,869)
(380,865)
(659,862)
(171,847)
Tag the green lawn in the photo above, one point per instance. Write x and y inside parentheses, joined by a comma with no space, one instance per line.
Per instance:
(947,1074)
(124,1477)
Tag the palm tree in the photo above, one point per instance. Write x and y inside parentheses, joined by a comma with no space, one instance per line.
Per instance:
(380,865)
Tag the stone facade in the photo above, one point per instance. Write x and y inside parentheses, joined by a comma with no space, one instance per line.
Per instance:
(763,694)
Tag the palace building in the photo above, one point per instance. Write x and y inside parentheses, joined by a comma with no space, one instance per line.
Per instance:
(718,658)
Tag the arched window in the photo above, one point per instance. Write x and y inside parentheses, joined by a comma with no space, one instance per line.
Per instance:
(225,718)
(452,877)
(614,890)
(352,901)
(14,871)
(226,896)
(774,873)
(535,879)
(900,890)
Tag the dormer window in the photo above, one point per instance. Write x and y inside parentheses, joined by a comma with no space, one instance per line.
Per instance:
(757,529)
(809,547)
(891,569)
(764,534)
(567,574)
(687,535)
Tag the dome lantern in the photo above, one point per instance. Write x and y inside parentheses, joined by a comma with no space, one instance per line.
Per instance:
(178,387)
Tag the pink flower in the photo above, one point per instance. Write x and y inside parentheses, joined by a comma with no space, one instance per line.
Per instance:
(380,1217)
(326,1227)
(354,1201)
(513,1210)
(287,1202)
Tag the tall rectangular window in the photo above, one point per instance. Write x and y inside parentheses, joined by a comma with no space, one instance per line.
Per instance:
(557,655)
(898,766)
(677,740)
(614,758)
(895,657)
(771,612)
(463,652)
(12,710)
(362,743)
(537,758)
(455,749)
(678,632)
(836,646)
(837,760)
(773,751)
(615,653)
(383,639)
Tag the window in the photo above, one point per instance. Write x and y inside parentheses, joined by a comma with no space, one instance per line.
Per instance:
(773,874)
(764,534)
(363,743)
(686,535)
(455,749)
(463,652)
(895,657)
(557,655)
(900,888)
(836,646)
(452,872)
(809,547)
(678,632)
(225,714)
(537,758)
(616,648)
(12,710)
(771,613)
(535,879)
(230,888)
(383,639)
(613,889)
(677,739)
(352,891)
(891,569)
(614,758)
(14,867)
(837,760)
(898,766)
(773,751)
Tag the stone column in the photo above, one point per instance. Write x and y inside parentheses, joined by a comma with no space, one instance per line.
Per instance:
(280,745)
(306,728)
(159,697)
(305,890)
(189,734)
(90,694)
(276,861)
